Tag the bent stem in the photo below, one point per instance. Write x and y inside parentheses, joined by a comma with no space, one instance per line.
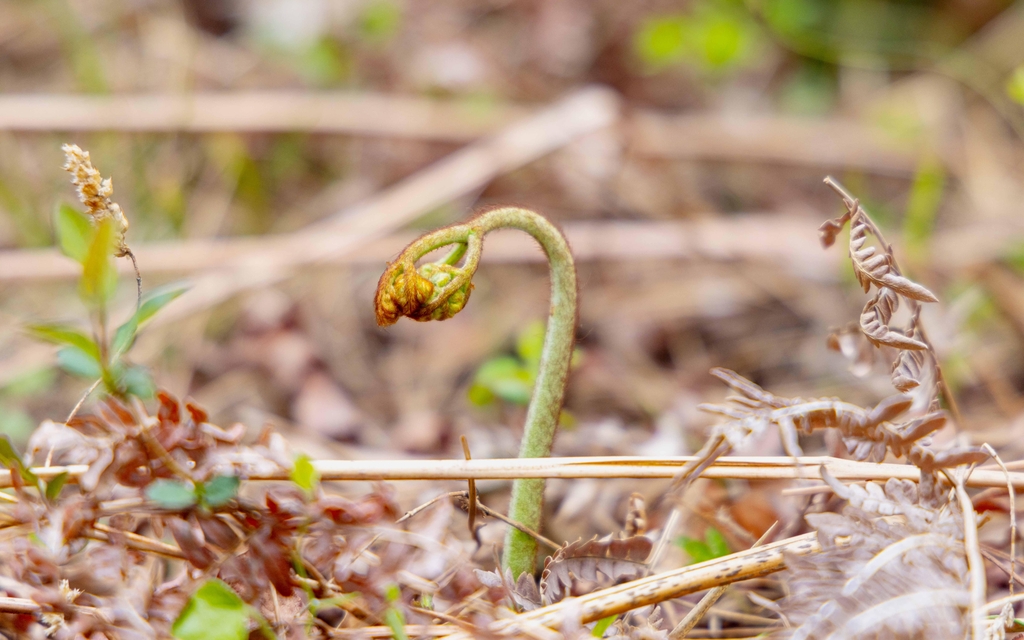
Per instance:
(439,290)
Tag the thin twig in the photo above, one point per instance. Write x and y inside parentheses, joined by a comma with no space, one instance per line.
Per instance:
(138,278)
(975,564)
(18,605)
(416,510)
(472,495)
(487,511)
(1013,512)
(135,541)
(484,509)
(465,624)
(81,401)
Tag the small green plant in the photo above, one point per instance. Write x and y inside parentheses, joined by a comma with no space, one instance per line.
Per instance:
(216,612)
(511,378)
(178,495)
(393,617)
(304,475)
(713,546)
(94,238)
(438,290)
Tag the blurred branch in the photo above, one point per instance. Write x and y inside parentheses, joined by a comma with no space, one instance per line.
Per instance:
(350,112)
(761,138)
(818,142)
(780,237)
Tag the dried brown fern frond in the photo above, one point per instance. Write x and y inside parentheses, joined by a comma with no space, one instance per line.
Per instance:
(902,571)
(591,563)
(574,569)
(867,433)
(916,367)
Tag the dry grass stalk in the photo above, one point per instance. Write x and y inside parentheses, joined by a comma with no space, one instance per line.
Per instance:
(785,240)
(726,467)
(744,565)
(975,564)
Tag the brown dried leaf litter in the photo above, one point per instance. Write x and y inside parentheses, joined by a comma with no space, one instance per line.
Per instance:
(100,561)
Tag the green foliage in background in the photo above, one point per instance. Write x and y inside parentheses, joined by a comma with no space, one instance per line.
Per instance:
(713,546)
(393,617)
(923,206)
(1015,85)
(511,378)
(100,356)
(14,421)
(865,33)
(379,21)
(810,90)
(717,36)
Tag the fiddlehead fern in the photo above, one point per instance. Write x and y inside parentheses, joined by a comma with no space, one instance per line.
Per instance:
(439,290)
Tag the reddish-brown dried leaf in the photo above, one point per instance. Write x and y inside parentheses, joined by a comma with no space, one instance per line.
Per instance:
(192,542)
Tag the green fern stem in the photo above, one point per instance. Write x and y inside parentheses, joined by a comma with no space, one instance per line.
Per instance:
(439,290)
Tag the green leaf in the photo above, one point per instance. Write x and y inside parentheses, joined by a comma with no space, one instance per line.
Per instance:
(215,612)
(1015,85)
(74,232)
(157,299)
(171,494)
(219,491)
(530,343)
(16,423)
(63,334)
(480,395)
(9,458)
(99,277)
(152,302)
(380,20)
(79,363)
(602,626)
(716,543)
(661,41)
(136,381)
(304,474)
(54,486)
(393,618)
(722,39)
(697,550)
(30,382)
(506,378)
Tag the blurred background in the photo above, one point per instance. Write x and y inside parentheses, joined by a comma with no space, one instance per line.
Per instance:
(276,154)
